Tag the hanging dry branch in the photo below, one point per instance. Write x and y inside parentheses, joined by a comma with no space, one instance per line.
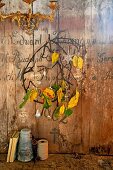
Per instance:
(65,64)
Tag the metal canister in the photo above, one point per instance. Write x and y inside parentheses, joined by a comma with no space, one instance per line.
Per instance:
(25,151)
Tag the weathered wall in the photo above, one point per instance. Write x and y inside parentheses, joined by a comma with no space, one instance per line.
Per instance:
(89,21)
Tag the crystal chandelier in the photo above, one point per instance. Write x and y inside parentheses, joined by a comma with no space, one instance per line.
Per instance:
(29,21)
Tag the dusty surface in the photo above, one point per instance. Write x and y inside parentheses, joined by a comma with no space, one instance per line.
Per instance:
(61,162)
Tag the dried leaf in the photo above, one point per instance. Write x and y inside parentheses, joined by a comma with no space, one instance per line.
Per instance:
(77,94)
(60,95)
(77,62)
(49,93)
(55,57)
(63,84)
(53,5)
(74,100)
(2,4)
(61,111)
(29,1)
(33,95)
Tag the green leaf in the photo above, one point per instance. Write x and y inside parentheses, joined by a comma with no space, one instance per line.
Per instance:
(68,112)
(25,99)
(47,104)
(45,97)
(22,104)
(56,87)
(63,99)
(56,112)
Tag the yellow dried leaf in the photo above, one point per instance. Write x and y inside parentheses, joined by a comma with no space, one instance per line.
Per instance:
(80,62)
(61,111)
(33,95)
(55,57)
(60,95)
(63,84)
(49,102)
(49,93)
(29,1)
(77,94)
(77,62)
(74,100)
